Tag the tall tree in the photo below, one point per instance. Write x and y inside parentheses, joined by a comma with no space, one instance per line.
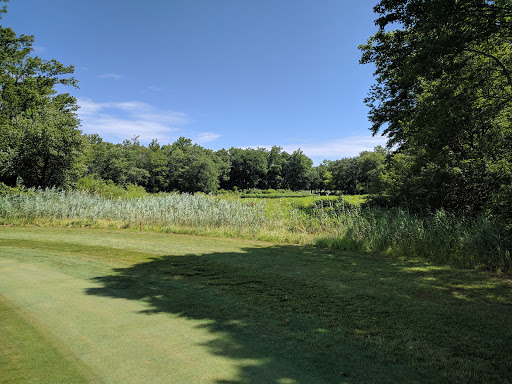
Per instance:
(191,167)
(46,148)
(248,167)
(371,168)
(156,165)
(123,164)
(443,98)
(39,140)
(223,162)
(276,160)
(296,171)
(345,175)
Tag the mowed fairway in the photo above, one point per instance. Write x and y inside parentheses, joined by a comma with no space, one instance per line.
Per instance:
(90,305)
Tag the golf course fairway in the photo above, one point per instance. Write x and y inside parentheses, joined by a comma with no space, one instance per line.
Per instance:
(103,306)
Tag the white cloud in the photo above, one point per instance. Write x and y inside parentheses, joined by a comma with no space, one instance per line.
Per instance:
(88,107)
(133,106)
(153,88)
(39,49)
(116,121)
(206,137)
(113,76)
(116,129)
(177,118)
(346,147)
(138,109)
(336,149)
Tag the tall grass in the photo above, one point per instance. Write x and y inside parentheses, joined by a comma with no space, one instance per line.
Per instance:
(159,210)
(469,243)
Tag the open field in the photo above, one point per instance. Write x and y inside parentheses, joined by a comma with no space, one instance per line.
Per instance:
(125,307)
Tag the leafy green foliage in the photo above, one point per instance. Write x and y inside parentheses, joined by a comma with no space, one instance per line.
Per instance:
(276,161)
(191,168)
(123,163)
(40,143)
(187,167)
(357,175)
(443,97)
(248,167)
(45,148)
(296,171)
(109,189)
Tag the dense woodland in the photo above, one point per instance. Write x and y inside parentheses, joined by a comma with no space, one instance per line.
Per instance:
(186,167)
(443,98)
(43,159)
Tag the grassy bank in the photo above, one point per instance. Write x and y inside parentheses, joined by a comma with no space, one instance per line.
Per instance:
(326,222)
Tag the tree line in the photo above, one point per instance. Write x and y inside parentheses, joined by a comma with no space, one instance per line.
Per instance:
(443,97)
(41,144)
(187,167)
(41,157)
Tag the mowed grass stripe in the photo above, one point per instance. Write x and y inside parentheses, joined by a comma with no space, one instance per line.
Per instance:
(29,354)
(269,313)
(115,338)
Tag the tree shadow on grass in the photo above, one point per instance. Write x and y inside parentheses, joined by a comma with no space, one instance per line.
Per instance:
(318,316)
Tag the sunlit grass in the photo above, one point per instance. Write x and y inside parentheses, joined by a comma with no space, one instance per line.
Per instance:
(284,312)
(28,354)
(325,221)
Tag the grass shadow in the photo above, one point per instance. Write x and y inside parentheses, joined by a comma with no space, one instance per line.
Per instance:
(314,315)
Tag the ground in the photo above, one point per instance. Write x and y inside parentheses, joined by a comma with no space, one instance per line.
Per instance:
(91,305)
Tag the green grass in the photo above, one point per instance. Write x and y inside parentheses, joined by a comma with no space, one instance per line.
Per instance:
(328,222)
(304,201)
(148,307)
(29,354)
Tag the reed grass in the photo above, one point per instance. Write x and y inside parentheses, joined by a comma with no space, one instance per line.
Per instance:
(441,237)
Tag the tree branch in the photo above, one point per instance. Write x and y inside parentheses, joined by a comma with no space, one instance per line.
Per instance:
(500,64)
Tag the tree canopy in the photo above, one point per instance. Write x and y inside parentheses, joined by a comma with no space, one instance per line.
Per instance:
(443,98)
(40,143)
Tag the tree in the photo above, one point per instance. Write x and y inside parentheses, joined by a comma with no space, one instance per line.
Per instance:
(320,177)
(223,162)
(345,174)
(315,179)
(296,171)
(443,98)
(156,165)
(39,141)
(191,168)
(123,164)
(45,149)
(276,160)
(371,168)
(358,175)
(248,167)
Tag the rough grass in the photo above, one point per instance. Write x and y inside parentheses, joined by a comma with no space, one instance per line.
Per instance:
(254,312)
(323,221)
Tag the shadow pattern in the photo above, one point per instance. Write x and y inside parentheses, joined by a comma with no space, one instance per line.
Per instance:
(315,316)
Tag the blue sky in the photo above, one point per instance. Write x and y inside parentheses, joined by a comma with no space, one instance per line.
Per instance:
(224,73)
